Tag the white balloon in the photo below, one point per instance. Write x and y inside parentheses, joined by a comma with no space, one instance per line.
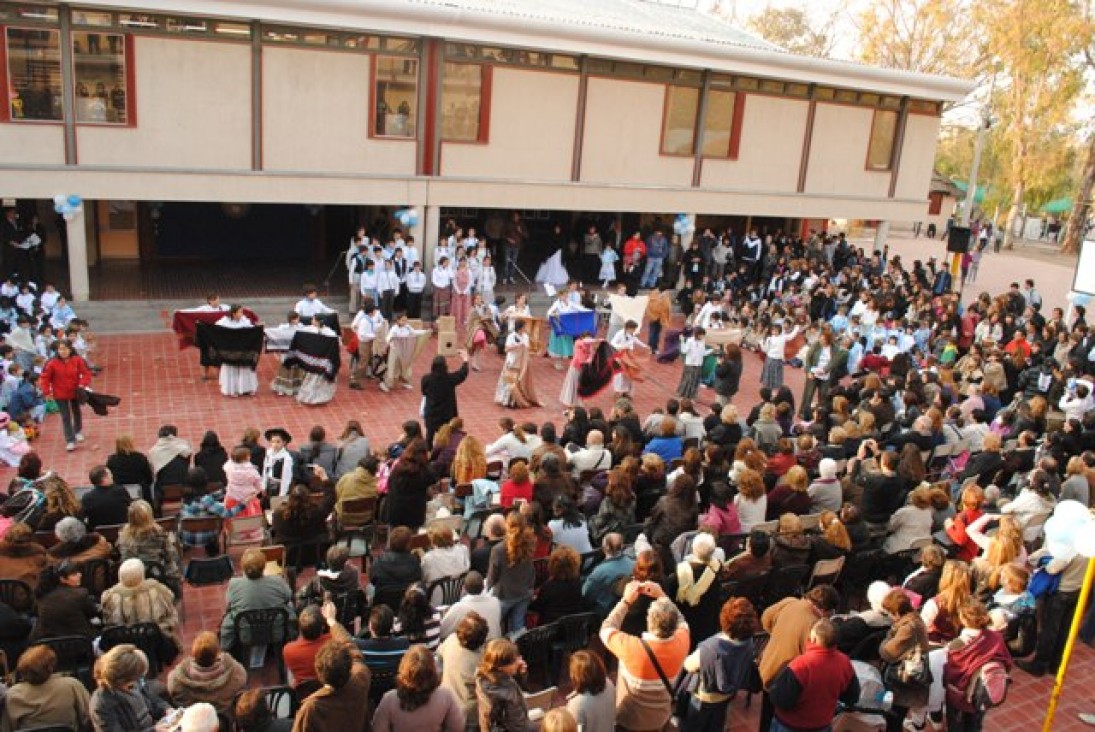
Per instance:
(1085,540)
(60,199)
(1059,529)
(1073,512)
(70,215)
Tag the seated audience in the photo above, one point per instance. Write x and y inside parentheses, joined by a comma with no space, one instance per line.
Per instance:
(418,621)
(21,558)
(123,700)
(64,606)
(446,557)
(76,544)
(107,503)
(498,695)
(339,577)
(255,590)
(343,701)
(300,654)
(207,675)
(252,714)
(380,649)
(136,599)
(460,654)
(129,466)
(42,698)
(142,538)
(561,593)
(419,701)
(485,606)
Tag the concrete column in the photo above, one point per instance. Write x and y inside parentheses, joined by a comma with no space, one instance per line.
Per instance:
(431,220)
(77,257)
(418,231)
(690,234)
(881,234)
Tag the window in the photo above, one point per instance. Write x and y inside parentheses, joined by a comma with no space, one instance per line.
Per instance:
(935,203)
(880,149)
(679,120)
(462,107)
(718,124)
(99,61)
(396,97)
(34,74)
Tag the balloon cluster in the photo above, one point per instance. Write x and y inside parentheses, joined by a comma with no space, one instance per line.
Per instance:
(682,224)
(1070,531)
(68,206)
(1078,299)
(407,217)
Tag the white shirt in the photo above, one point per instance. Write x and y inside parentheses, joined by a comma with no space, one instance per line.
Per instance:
(49,299)
(416,281)
(694,352)
(368,281)
(511,446)
(439,563)
(513,312)
(283,484)
(400,331)
(366,326)
(750,513)
(774,345)
(227,322)
(623,341)
(387,281)
(311,306)
(575,537)
(441,277)
(488,607)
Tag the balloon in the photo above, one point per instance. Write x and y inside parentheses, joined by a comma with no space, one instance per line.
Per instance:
(74,201)
(1059,530)
(1073,512)
(405,218)
(678,228)
(1081,300)
(1085,539)
(70,215)
(1059,550)
(412,219)
(59,208)
(59,200)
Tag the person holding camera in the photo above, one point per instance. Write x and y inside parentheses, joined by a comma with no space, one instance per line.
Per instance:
(876,471)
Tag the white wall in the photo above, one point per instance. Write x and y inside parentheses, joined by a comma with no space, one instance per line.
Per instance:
(838,154)
(193,109)
(623,133)
(772,132)
(316,115)
(532,117)
(917,157)
(33,143)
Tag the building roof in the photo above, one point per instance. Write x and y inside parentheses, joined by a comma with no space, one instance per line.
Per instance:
(942,184)
(630,30)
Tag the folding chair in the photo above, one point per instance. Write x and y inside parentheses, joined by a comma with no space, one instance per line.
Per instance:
(450,589)
(354,518)
(75,656)
(245,531)
(825,572)
(213,525)
(109,531)
(171,498)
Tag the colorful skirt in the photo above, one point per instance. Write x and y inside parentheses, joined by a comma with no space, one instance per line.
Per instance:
(772,373)
(568,395)
(287,381)
(561,346)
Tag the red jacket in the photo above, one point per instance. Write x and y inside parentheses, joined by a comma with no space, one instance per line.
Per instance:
(967,547)
(633,245)
(60,378)
(805,694)
(965,657)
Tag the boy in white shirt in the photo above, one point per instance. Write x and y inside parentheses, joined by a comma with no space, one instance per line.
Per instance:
(387,287)
(369,324)
(310,305)
(694,351)
(416,285)
(369,281)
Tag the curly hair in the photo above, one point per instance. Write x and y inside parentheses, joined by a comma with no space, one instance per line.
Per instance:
(520,540)
(470,461)
(417,678)
(563,564)
(750,484)
(414,612)
(738,618)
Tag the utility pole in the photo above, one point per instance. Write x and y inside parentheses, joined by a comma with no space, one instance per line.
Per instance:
(966,213)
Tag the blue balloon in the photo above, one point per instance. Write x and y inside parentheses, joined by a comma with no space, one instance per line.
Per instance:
(1081,300)
(59,208)
(75,201)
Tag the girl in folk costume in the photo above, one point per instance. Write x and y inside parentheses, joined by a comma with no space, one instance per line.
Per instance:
(462,281)
(288,378)
(243,485)
(625,342)
(773,347)
(609,257)
(441,278)
(694,351)
(488,278)
(372,336)
(560,346)
(583,354)
(237,380)
(277,466)
(519,309)
(316,389)
(481,329)
(515,387)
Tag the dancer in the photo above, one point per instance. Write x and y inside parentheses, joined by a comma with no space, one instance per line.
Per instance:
(212,305)
(462,281)
(371,330)
(404,344)
(694,351)
(560,345)
(288,378)
(482,329)
(627,369)
(237,379)
(774,347)
(319,388)
(515,388)
(584,348)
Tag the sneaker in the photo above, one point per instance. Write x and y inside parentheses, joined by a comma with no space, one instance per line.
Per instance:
(408,387)
(70,446)
(80,437)
(384,387)
(1088,719)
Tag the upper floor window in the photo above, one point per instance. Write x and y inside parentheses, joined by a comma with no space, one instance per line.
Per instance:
(396,96)
(34,74)
(99,63)
(463,109)
(880,147)
(679,122)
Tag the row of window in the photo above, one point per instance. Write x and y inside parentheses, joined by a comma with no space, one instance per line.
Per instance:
(100,66)
(396,97)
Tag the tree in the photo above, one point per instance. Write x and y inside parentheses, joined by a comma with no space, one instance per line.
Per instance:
(792,29)
(1081,205)
(928,36)
(1035,47)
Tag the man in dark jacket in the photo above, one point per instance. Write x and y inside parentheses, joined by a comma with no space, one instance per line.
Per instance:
(106,504)
(439,390)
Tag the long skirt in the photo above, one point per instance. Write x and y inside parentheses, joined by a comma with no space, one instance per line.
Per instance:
(569,393)
(460,306)
(238,380)
(316,390)
(690,382)
(561,346)
(621,383)
(772,373)
(287,381)
(515,390)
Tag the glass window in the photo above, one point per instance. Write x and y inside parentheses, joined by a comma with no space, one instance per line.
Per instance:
(564,62)
(461,100)
(679,125)
(87,17)
(100,66)
(771,86)
(718,123)
(396,96)
(34,74)
(883,130)
(824,92)
(871,100)
(847,96)
(797,90)
(33,13)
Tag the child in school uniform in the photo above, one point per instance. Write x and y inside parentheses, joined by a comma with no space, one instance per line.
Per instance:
(774,347)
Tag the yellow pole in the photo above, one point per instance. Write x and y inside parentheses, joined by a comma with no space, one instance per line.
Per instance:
(1077,619)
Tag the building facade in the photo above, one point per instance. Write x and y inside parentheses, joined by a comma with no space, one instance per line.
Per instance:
(522,105)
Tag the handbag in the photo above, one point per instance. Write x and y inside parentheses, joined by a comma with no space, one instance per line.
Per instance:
(912,670)
(1042,583)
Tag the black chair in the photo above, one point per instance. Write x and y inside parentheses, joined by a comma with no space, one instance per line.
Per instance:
(451,589)
(350,606)
(282,701)
(535,647)
(392,596)
(306,688)
(314,547)
(575,631)
(590,560)
(751,588)
(205,572)
(50,728)
(381,681)
(732,544)
(268,627)
(631,532)
(17,595)
(75,656)
(473,526)
(146,636)
(783,583)
(99,575)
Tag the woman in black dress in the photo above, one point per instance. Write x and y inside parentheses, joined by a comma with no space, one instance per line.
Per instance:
(409,487)
(439,393)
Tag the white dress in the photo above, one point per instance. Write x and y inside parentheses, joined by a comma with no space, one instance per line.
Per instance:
(237,380)
(315,389)
(552,272)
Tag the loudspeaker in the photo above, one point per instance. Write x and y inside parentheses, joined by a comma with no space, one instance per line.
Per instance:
(958,240)
(446,343)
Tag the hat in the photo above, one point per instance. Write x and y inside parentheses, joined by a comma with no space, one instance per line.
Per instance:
(278,432)
(4,420)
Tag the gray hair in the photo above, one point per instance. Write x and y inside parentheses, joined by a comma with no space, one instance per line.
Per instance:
(495,526)
(70,530)
(131,573)
(662,618)
(595,437)
(703,546)
(200,717)
(612,544)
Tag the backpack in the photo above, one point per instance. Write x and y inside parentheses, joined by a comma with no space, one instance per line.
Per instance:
(989,687)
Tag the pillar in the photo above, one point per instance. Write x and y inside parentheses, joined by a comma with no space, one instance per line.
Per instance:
(881,234)
(418,231)
(77,257)
(430,222)
(690,232)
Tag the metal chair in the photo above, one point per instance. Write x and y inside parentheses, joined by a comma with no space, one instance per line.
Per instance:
(17,595)
(255,628)
(451,589)
(783,583)
(355,516)
(75,656)
(146,636)
(452,523)
(810,521)
(768,527)
(575,631)
(543,700)
(296,549)
(535,647)
(382,680)
(245,531)
(732,544)
(825,572)
(171,498)
(99,575)
(351,607)
(494,470)
(862,569)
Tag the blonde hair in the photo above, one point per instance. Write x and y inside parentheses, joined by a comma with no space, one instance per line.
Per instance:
(834,532)
(954,587)
(470,460)
(790,523)
(141,524)
(797,479)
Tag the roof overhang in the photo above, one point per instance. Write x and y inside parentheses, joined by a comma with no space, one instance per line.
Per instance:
(452,22)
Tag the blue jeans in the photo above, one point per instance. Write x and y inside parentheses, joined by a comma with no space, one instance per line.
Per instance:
(512,253)
(513,613)
(653,271)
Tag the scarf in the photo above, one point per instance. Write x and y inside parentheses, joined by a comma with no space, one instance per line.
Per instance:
(315,353)
(691,590)
(165,450)
(232,346)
